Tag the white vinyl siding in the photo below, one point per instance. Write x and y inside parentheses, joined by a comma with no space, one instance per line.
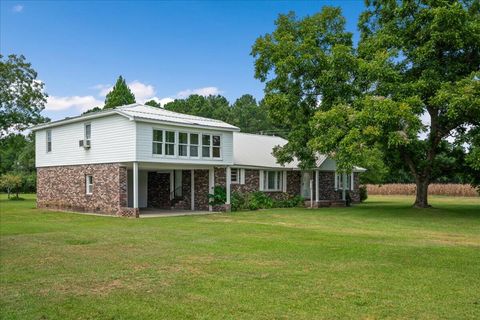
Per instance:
(113,140)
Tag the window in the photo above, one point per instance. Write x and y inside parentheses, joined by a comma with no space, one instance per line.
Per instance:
(206,140)
(169,143)
(88,184)
(235,175)
(88,131)
(183,144)
(216,146)
(157,141)
(342,180)
(49,140)
(272,180)
(193,145)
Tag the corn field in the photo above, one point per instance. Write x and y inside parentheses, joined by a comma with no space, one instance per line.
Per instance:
(447,189)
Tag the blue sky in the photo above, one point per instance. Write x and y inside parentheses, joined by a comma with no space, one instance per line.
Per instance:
(165,50)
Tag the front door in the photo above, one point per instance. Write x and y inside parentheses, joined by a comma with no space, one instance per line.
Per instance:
(306,177)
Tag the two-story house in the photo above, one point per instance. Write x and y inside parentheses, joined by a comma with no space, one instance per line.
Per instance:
(121,160)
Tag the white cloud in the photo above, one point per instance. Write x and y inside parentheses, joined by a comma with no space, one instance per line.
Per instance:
(81,103)
(142,92)
(17,8)
(206,91)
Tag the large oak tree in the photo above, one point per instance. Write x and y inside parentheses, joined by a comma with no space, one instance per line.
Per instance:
(415,60)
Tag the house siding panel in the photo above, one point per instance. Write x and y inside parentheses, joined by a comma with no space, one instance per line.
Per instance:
(112,140)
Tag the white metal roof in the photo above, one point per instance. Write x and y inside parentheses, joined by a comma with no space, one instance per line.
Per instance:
(253,150)
(256,151)
(141,112)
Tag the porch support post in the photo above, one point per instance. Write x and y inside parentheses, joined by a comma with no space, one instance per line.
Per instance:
(311,193)
(344,182)
(135,185)
(172,184)
(229,182)
(317,185)
(211,184)
(192,189)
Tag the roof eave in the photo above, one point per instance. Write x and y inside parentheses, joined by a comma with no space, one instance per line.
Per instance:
(82,117)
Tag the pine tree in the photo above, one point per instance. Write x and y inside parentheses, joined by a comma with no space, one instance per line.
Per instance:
(120,95)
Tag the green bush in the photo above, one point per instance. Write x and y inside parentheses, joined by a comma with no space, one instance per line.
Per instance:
(260,200)
(363,193)
(218,197)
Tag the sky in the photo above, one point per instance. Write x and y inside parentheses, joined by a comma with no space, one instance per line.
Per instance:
(164,49)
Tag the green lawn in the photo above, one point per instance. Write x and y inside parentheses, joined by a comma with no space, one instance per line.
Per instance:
(381,259)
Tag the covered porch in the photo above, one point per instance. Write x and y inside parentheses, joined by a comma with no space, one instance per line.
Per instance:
(174,189)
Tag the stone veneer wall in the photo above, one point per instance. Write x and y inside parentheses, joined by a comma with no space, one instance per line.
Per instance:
(63,188)
(327,187)
(201,189)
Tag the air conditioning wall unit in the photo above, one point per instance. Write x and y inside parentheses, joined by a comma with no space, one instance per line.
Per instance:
(84,143)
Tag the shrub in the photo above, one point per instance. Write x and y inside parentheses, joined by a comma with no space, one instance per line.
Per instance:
(363,193)
(218,197)
(10,182)
(259,200)
(239,201)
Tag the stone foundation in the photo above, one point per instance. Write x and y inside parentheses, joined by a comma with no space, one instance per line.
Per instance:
(63,188)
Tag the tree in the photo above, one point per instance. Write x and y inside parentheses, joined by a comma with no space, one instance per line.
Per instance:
(94,109)
(153,103)
(248,115)
(312,62)
(10,182)
(414,58)
(120,95)
(215,107)
(21,95)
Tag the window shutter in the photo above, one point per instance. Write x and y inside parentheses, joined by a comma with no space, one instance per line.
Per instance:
(351,181)
(336,180)
(242,176)
(284,181)
(261,174)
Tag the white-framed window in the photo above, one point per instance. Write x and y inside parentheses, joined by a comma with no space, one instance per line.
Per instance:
(88,184)
(206,142)
(273,181)
(170,143)
(157,146)
(216,146)
(49,140)
(87,131)
(194,145)
(342,180)
(183,144)
(235,175)
(186,144)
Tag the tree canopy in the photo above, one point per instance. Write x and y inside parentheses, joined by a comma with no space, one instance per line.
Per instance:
(120,95)
(21,95)
(244,113)
(415,60)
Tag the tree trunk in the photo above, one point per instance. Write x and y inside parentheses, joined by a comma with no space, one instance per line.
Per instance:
(421,199)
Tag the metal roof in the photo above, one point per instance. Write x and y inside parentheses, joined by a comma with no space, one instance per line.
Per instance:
(141,112)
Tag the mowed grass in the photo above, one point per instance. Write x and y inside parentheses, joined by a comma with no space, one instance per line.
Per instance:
(378,260)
